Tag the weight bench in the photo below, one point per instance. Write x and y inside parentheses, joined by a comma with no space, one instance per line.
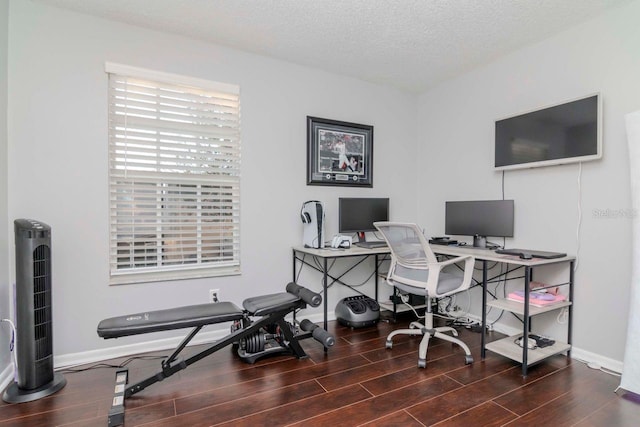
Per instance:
(269,334)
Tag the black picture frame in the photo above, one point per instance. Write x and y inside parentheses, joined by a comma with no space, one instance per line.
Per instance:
(339,153)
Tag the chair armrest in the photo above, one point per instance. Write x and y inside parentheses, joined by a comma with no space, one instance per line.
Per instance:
(455,260)
(434,274)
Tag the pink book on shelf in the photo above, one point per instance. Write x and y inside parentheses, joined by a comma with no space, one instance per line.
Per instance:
(535,299)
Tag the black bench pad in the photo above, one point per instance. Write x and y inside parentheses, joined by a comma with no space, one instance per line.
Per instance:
(173,318)
(266,304)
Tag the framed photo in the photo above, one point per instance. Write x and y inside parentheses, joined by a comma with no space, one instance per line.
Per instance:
(339,153)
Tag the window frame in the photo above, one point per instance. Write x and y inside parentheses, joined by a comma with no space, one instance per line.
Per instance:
(198,192)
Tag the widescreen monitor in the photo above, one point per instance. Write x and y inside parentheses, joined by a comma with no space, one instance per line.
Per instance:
(357,214)
(479,218)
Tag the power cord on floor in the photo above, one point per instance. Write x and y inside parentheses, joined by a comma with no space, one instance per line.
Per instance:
(108,365)
(14,359)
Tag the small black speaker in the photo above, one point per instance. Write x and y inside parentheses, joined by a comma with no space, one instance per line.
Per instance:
(34,340)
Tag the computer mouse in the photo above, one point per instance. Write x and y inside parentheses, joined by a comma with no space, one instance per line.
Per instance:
(526,255)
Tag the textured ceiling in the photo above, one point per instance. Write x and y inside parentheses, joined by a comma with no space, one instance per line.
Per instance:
(409,44)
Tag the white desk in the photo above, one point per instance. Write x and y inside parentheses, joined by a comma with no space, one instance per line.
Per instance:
(505,346)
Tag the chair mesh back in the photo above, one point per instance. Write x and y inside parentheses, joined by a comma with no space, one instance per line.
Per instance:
(407,243)
(413,260)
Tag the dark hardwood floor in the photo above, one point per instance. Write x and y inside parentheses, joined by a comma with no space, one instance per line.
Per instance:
(358,383)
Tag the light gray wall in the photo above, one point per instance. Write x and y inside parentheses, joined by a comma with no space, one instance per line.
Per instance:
(5,301)
(603,56)
(58,158)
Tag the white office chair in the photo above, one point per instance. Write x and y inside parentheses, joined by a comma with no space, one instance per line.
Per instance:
(415,270)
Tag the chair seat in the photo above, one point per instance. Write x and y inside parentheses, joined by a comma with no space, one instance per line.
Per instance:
(447,282)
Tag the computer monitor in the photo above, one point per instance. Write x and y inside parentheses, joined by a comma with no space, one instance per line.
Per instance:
(480,219)
(357,214)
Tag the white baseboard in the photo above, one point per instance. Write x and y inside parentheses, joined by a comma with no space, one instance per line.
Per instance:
(93,356)
(596,360)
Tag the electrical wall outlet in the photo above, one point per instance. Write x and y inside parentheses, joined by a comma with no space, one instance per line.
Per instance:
(214,295)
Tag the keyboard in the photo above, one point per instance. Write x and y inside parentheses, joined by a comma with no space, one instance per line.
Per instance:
(535,254)
(444,242)
(372,245)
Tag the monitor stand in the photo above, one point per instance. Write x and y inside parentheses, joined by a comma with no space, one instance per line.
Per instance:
(363,243)
(480,241)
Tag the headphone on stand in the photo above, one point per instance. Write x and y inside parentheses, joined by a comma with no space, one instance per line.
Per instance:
(304,216)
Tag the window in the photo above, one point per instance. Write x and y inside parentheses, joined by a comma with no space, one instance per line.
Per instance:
(174,176)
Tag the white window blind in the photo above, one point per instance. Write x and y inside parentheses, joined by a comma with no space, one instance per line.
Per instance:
(174,176)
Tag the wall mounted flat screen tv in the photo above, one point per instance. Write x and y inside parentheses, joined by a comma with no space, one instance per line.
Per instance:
(563,133)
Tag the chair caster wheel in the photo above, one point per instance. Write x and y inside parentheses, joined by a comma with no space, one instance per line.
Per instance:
(468,360)
(422,363)
(388,344)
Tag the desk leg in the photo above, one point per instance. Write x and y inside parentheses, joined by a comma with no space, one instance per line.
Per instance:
(293,277)
(483,337)
(570,308)
(526,326)
(326,296)
(376,279)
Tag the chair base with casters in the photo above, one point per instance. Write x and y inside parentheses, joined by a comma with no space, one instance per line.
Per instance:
(417,328)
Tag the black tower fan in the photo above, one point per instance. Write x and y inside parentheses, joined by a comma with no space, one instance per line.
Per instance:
(34,342)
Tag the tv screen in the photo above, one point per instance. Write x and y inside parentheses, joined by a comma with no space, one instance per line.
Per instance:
(357,214)
(480,218)
(564,133)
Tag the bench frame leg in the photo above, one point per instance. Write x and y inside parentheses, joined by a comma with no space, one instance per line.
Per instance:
(174,363)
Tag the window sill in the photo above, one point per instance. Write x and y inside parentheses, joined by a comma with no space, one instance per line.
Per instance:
(166,276)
